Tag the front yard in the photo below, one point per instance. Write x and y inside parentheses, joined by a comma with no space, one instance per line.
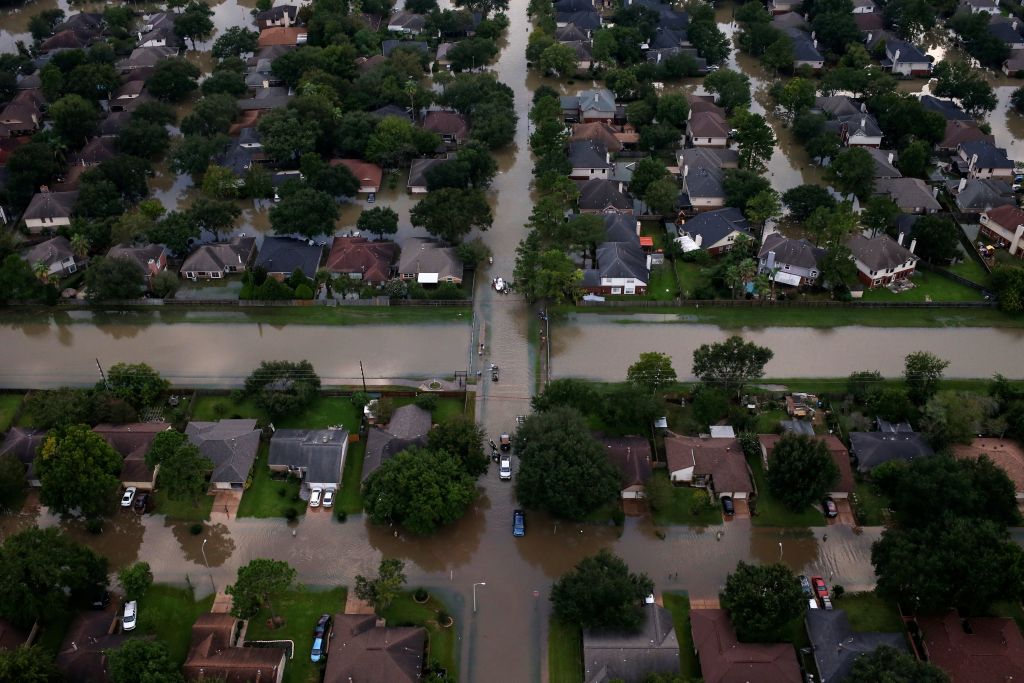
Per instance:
(681,509)
(183,510)
(771,511)
(679,605)
(300,610)
(869,612)
(871,506)
(167,613)
(267,496)
(565,652)
(443,651)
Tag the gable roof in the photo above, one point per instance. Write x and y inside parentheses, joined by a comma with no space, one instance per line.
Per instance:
(598,195)
(631,656)
(588,154)
(631,455)
(878,253)
(723,659)
(883,159)
(50,205)
(722,459)
(23,443)
(424,255)
(908,193)
(959,132)
(365,652)
(598,100)
(569,33)
(368,175)
(372,260)
(707,124)
(587,21)
(799,253)
(804,47)
(284,255)
(598,132)
(321,452)
(1006,454)
(1008,217)
(1004,30)
(216,257)
(836,449)
(871,449)
(131,440)
(980,194)
(993,651)
(619,260)
(620,227)
(836,646)
(989,156)
(51,251)
(82,655)
(856,124)
(406,20)
(230,444)
(147,56)
(908,52)
(215,654)
(947,108)
(446,123)
(418,170)
(146,257)
(713,226)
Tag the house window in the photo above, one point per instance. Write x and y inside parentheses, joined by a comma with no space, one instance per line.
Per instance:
(872,273)
(616,290)
(814,273)
(786,266)
(591,170)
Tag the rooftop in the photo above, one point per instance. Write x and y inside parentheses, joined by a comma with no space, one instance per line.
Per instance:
(723,659)
(1007,455)
(975,650)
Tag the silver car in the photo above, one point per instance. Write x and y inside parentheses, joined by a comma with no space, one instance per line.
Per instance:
(505,468)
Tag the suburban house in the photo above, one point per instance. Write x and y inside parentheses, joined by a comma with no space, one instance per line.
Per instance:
(23,443)
(410,46)
(22,115)
(316,456)
(231,445)
(158,31)
(948,108)
(83,652)
(282,35)
(49,210)
(428,263)
(1006,454)
(702,172)
(364,650)
(152,258)
(369,175)
(584,53)
(56,254)
(218,652)
(590,105)
(836,646)
(975,649)
(146,58)
(133,441)
(840,456)
(588,21)
(707,129)
(622,268)
(891,442)
(905,59)
(418,168)
(589,159)
(281,256)
(408,23)
(805,49)
(621,228)
(631,455)
(598,132)
(282,15)
(1014,66)
(631,657)
(450,125)
(881,260)
(959,132)
(723,659)
(973,196)
(982,159)
(408,427)
(789,261)
(838,105)
(883,159)
(95,151)
(603,196)
(1006,30)
(128,96)
(978,6)
(856,130)
(216,261)
(716,232)
(361,259)
(717,465)
(910,194)
(1004,225)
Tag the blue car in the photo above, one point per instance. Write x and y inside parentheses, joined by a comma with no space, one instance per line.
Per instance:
(318,649)
(518,523)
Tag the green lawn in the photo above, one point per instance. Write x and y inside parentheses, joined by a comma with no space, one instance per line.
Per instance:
(768,421)
(444,407)
(871,505)
(300,609)
(443,642)
(972,270)
(679,512)
(350,499)
(679,605)
(869,612)
(565,652)
(263,498)
(771,512)
(662,286)
(183,510)
(929,287)
(167,613)
(325,411)
(213,408)
(9,404)
(691,276)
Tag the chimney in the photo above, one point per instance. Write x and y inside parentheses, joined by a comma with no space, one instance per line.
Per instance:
(913,244)
(963,184)
(1016,243)
(974,161)
(899,239)
(814,35)
(896,57)
(890,158)
(869,37)
(698,239)
(863,122)
(686,170)
(44,188)
(638,226)
(770,263)
(935,191)
(1014,24)
(815,43)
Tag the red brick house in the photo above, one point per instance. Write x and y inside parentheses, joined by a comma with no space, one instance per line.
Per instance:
(1004,225)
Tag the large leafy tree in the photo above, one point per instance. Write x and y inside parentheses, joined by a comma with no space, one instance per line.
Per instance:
(194,23)
(419,490)
(461,437)
(305,211)
(730,364)
(44,573)
(212,115)
(136,383)
(853,172)
(652,371)
(215,215)
(380,220)
(761,599)
(282,387)
(741,185)
(959,80)
(12,481)
(135,579)
(173,79)
(802,471)
(382,590)
(731,87)
(74,119)
(140,660)
(563,469)
(451,213)
(79,472)
(601,593)
(235,42)
(937,238)
(114,278)
(28,665)
(284,136)
(886,664)
(257,584)
(922,374)
(957,417)
(1008,283)
(183,469)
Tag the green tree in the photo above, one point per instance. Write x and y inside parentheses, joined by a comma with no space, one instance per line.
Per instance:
(192,154)
(646,171)
(224,82)
(220,182)
(135,579)
(890,403)
(79,472)
(136,383)
(17,281)
(214,215)
(472,53)
(938,238)
(802,471)
(566,392)
(853,172)
(284,137)
(257,583)
(838,269)
(385,588)
(306,212)
(779,55)
(395,141)
(12,481)
(493,123)
(140,660)
(731,87)
(741,185)
(861,383)
(558,59)
(959,80)
(797,96)
(673,109)
(761,600)
(235,42)
(173,79)
(601,593)
(652,371)
(1017,100)
(419,490)
(283,388)
(762,206)
(380,220)
(1008,283)
(563,469)
(914,159)
(143,139)
(462,438)
(183,468)
(114,278)
(922,373)
(211,116)
(28,665)
(730,364)
(886,663)
(194,23)
(29,166)
(450,214)
(662,197)
(879,214)
(74,119)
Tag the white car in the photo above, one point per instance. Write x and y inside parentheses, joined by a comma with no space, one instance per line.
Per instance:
(128,497)
(131,611)
(505,467)
(328,498)
(314,498)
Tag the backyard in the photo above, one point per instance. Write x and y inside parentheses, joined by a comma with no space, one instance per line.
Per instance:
(167,613)
(300,609)
(565,652)
(869,612)
(183,510)
(928,287)
(443,646)
(679,605)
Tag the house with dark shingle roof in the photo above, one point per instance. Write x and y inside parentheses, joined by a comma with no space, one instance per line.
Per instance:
(418,169)
(1006,30)
(143,57)
(428,262)
(590,105)
(364,650)
(231,445)
(884,159)
(702,170)
(805,49)
(83,652)
(450,125)
(585,21)
(911,195)
(982,159)
(589,160)
(56,254)
(707,129)
(716,232)
(622,268)
(959,132)
(407,22)
(836,646)
(621,228)
(871,449)
(1004,225)
(881,260)
(132,442)
(974,195)
(723,659)
(631,456)
(216,261)
(361,259)
(23,443)
(282,15)
(948,108)
(631,657)
(151,258)
(603,196)
(317,456)
(793,262)
(49,210)
(716,464)
(408,427)
(856,130)
(281,256)
(905,59)
(974,649)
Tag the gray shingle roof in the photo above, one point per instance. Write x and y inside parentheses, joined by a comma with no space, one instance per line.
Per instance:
(871,449)
(408,427)
(418,171)
(715,225)
(620,228)
(790,251)
(989,156)
(588,21)
(804,49)
(389,46)
(836,646)
(837,105)
(423,255)
(321,452)
(631,656)
(1004,30)
(598,195)
(909,193)
(230,444)
(51,205)
(215,257)
(284,255)
(588,154)
(618,260)
(947,108)
(908,52)
(982,194)
(862,123)
(878,253)
(50,251)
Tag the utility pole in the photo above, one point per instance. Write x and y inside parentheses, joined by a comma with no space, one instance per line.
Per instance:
(363,375)
(102,376)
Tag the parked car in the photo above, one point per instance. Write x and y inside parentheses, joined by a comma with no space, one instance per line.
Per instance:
(318,649)
(141,502)
(727,506)
(830,508)
(322,625)
(518,523)
(505,468)
(128,497)
(506,441)
(805,584)
(819,587)
(328,498)
(812,603)
(314,498)
(826,602)
(131,612)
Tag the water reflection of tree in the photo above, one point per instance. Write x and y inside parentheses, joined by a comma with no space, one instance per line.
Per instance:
(219,544)
(119,541)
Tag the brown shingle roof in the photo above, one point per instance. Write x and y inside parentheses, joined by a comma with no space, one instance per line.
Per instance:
(369,175)
(958,132)
(840,456)
(707,124)
(631,455)
(1008,217)
(992,653)
(723,659)
(362,651)
(213,654)
(82,655)
(359,255)
(446,123)
(1006,454)
(597,131)
(721,459)
(280,35)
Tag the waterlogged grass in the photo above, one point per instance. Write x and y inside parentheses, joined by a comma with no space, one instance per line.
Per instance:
(928,287)
(350,499)
(565,652)
(183,510)
(679,605)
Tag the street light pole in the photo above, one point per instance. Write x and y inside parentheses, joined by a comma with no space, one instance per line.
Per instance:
(482,583)
(780,551)
(207,563)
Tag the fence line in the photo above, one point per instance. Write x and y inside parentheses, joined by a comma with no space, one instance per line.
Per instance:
(753,303)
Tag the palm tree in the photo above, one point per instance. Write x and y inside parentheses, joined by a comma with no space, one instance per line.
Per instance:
(41,271)
(80,245)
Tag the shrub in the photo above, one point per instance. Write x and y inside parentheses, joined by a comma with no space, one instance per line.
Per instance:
(427,402)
